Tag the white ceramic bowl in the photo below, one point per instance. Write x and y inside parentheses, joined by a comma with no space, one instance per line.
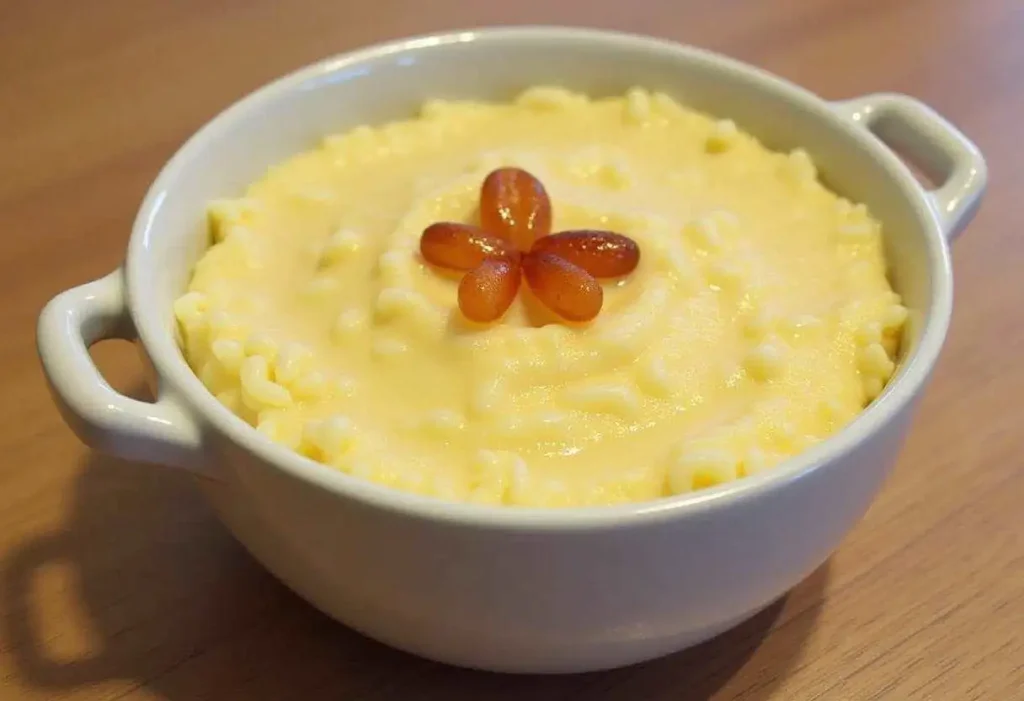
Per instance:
(516,589)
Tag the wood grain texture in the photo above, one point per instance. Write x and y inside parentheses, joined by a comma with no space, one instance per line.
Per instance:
(116,582)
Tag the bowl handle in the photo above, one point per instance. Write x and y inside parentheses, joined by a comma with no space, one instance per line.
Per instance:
(932,142)
(104,419)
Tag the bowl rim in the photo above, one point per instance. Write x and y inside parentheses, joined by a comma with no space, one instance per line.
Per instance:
(178,378)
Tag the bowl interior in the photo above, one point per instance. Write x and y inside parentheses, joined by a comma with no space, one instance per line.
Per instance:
(392,81)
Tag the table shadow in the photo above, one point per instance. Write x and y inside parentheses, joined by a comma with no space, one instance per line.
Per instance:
(140,542)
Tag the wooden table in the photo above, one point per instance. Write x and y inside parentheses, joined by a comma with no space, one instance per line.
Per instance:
(117,582)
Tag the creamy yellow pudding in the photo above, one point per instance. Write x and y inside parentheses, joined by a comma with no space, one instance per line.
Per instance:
(758,322)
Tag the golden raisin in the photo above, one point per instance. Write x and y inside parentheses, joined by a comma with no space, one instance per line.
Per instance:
(486,292)
(515,206)
(459,246)
(563,287)
(603,254)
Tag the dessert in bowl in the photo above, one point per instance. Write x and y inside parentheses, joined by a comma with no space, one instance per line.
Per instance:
(757,322)
(405,460)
